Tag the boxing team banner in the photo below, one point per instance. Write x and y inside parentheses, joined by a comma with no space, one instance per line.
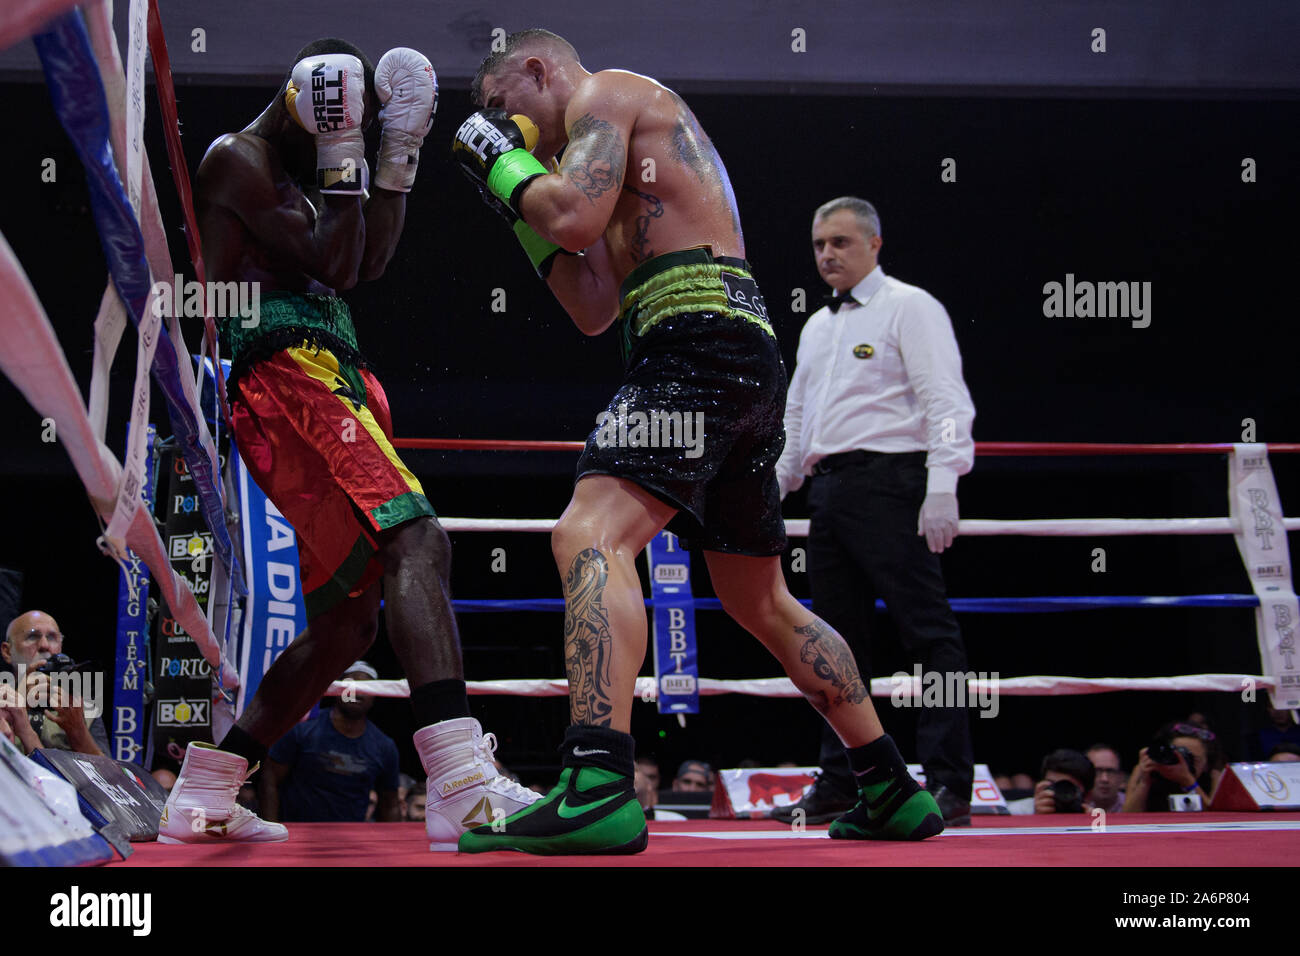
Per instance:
(1261,538)
(182,677)
(131,668)
(676,666)
(273,612)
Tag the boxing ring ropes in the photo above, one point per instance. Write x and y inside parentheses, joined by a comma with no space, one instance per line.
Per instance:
(1041,685)
(108,135)
(82,55)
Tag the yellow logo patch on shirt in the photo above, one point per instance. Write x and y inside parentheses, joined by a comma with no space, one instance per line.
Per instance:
(863,351)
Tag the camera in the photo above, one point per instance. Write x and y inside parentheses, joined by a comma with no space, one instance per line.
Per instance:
(1068,796)
(58,664)
(1166,754)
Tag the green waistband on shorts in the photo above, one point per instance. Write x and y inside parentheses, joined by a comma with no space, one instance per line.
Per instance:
(688,281)
(288,318)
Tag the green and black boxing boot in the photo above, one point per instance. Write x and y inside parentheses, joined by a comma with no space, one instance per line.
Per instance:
(891,805)
(592,810)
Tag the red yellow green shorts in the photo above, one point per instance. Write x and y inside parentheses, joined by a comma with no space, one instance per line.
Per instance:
(317,438)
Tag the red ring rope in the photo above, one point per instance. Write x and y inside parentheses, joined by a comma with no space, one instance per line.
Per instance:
(989,448)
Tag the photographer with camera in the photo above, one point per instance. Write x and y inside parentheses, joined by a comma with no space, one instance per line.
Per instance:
(33,649)
(1068,776)
(1065,781)
(1181,760)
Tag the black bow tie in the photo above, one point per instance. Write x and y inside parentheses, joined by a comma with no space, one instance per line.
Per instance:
(833,302)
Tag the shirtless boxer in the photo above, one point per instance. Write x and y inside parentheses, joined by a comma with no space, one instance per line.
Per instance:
(313,427)
(639,225)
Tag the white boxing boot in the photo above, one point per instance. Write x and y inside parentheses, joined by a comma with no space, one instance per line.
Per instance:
(464,788)
(202,807)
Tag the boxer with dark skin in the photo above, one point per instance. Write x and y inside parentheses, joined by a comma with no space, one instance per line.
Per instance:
(287,208)
(259,224)
(638,219)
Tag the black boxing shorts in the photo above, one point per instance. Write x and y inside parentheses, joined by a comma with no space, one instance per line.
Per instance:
(699,419)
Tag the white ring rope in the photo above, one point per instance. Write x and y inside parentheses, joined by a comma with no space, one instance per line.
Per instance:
(1040,686)
(1055,527)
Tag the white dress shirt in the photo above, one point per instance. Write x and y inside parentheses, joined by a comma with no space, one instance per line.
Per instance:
(884,375)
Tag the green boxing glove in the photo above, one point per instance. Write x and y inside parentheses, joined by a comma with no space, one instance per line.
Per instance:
(493,151)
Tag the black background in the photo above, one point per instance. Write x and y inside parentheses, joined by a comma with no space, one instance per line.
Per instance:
(1116,189)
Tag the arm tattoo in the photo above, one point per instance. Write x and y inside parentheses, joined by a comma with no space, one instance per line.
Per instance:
(596,157)
(695,151)
(640,246)
(832,661)
(588,644)
(698,154)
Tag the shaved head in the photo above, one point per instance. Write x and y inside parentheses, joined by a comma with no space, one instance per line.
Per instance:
(25,622)
(523,43)
(31,638)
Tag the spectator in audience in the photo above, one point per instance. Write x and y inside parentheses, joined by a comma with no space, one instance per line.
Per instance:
(1107,789)
(1285,753)
(1016,787)
(1065,779)
(415,800)
(325,769)
(404,784)
(647,794)
(649,768)
(693,776)
(1276,727)
(1185,762)
(31,640)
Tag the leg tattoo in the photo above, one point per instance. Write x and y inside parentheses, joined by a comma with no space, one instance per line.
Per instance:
(832,661)
(588,644)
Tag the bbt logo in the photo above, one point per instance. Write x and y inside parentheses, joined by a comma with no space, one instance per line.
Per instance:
(1264,526)
(1286,634)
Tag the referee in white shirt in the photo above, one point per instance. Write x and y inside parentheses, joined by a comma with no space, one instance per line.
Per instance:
(879,416)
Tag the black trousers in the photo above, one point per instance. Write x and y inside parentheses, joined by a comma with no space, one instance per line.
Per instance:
(863,545)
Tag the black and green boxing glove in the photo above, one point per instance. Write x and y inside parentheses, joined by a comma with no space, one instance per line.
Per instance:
(493,151)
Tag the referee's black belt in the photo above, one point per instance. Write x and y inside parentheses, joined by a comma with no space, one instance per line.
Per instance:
(847,459)
(843,459)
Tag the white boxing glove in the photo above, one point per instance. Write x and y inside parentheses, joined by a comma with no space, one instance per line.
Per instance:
(326,97)
(408,88)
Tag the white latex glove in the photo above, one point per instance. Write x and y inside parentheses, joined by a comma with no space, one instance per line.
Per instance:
(938,521)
